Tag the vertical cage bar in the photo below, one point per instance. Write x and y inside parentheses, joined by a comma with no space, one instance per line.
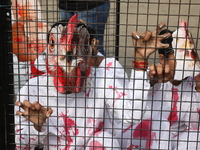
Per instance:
(6,79)
(117,29)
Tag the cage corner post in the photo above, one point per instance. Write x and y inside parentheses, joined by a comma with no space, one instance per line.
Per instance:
(6,79)
(117,28)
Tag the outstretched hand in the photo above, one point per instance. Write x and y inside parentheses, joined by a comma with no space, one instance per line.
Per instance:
(148,42)
(34,112)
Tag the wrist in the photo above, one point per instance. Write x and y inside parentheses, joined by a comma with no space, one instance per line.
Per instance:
(38,127)
(140,65)
(140,58)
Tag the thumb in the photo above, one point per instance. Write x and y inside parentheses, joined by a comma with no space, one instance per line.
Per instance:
(152,71)
(49,112)
(167,75)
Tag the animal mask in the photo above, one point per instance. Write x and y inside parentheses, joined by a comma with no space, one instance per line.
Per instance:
(187,60)
(69,56)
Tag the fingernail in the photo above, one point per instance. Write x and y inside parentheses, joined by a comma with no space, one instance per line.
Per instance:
(18,104)
(137,36)
(163,45)
(160,26)
(165,36)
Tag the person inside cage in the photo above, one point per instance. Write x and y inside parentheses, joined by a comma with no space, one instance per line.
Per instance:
(171,120)
(66,109)
(94,12)
(29,40)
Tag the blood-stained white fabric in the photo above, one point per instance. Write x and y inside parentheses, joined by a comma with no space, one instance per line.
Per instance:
(171,120)
(23,70)
(20,70)
(78,117)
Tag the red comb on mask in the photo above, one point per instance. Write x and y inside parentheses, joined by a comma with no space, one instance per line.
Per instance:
(72,23)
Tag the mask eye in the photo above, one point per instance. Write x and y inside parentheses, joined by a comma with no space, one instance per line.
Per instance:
(51,43)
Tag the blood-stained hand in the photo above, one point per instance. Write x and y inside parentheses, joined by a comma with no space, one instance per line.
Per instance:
(27,45)
(34,112)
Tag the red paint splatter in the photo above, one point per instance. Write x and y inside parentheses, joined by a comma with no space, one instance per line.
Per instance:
(198,110)
(32,139)
(70,127)
(34,71)
(88,94)
(20,24)
(21,137)
(17,39)
(18,130)
(149,141)
(133,146)
(108,65)
(99,128)
(40,25)
(24,147)
(119,94)
(127,128)
(96,145)
(143,130)
(173,117)
(21,10)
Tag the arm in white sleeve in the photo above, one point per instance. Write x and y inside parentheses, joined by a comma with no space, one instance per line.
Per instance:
(40,62)
(26,136)
(126,99)
(191,95)
(139,85)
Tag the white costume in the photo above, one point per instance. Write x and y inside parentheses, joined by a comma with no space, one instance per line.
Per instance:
(78,118)
(171,120)
(25,70)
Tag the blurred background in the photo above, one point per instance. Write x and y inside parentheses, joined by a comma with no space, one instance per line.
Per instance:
(128,15)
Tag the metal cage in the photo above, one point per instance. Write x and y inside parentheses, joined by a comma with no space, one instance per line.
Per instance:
(116,107)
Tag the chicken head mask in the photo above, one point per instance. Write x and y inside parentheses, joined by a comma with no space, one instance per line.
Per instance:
(69,56)
(187,59)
